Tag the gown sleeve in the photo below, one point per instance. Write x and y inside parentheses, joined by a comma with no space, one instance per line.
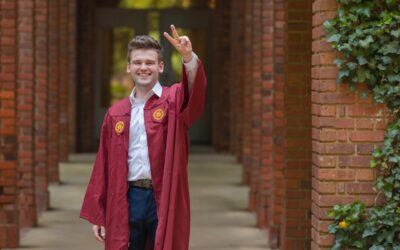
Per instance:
(193,99)
(94,203)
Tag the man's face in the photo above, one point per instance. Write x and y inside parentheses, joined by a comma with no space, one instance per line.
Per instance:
(144,67)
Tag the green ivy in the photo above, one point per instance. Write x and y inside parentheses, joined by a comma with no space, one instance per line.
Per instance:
(348,225)
(366,33)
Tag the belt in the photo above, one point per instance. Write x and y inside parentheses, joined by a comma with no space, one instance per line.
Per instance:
(144,183)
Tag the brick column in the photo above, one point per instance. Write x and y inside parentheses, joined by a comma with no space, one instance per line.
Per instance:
(255,102)
(278,128)
(9,224)
(236,78)
(40,99)
(345,129)
(25,106)
(72,61)
(85,96)
(63,94)
(247,105)
(53,91)
(295,232)
(267,52)
(221,86)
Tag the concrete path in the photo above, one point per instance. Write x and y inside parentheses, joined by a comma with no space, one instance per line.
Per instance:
(218,201)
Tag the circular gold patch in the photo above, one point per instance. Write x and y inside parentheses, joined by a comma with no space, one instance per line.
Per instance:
(158,115)
(119,127)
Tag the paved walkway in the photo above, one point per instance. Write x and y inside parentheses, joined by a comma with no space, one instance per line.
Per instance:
(219,217)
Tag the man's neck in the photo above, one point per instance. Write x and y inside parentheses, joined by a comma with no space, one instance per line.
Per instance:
(141,91)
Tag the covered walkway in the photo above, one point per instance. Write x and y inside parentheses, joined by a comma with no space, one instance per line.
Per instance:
(220,219)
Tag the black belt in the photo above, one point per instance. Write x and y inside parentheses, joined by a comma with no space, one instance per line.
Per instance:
(144,183)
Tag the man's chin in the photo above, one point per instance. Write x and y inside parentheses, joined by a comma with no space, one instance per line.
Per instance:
(143,84)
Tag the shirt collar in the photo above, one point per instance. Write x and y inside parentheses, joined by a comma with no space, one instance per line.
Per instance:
(157,90)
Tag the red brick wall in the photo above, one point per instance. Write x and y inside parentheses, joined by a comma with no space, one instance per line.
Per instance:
(247,93)
(30,69)
(25,87)
(9,233)
(85,70)
(255,82)
(345,129)
(265,184)
(236,78)
(72,78)
(63,92)
(274,211)
(53,90)
(265,114)
(221,87)
(40,101)
(296,213)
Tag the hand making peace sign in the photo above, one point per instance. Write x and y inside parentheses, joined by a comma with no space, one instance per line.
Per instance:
(181,43)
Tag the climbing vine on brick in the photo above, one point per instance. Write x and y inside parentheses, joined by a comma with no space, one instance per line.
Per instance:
(366,33)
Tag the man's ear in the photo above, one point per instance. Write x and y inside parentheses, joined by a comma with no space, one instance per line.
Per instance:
(161,67)
(127,68)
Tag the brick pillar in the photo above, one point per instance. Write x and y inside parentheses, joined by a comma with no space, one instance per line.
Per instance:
(236,78)
(274,211)
(9,224)
(295,229)
(72,61)
(25,118)
(221,86)
(85,97)
(40,111)
(345,130)
(53,91)
(247,115)
(63,80)
(255,102)
(265,185)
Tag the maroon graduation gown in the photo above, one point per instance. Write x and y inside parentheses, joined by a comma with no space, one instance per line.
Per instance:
(167,120)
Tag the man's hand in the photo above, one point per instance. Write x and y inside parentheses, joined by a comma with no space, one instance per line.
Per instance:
(181,43)
(99,233)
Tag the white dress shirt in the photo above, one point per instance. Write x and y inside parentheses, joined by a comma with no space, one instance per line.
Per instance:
(138,151)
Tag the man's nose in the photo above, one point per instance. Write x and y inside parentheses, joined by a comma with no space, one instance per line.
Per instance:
(143,66)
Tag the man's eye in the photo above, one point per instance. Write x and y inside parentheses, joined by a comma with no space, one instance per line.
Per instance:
(150,63)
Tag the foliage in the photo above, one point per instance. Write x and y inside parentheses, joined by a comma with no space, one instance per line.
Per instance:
(348,225)
(366,33)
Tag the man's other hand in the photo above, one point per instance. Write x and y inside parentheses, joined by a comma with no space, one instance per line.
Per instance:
(99,233)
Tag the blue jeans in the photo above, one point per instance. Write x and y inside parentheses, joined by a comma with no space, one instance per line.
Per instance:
(142,218)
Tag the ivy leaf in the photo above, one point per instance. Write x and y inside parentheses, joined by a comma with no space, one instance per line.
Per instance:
(395,33)
(338,62)
(386,60)
(361,60)
(390,48)
(342,73)
(366,42)
(381,67)
(359,244)
(351,65)
(368,232)
(394,78)
(362,75)
(334,38)
(373,163)
(374,247)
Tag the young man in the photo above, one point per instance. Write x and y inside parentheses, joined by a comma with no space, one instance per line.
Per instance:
(137,197)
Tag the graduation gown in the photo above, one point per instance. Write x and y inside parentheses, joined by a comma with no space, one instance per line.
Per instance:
(167,120)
